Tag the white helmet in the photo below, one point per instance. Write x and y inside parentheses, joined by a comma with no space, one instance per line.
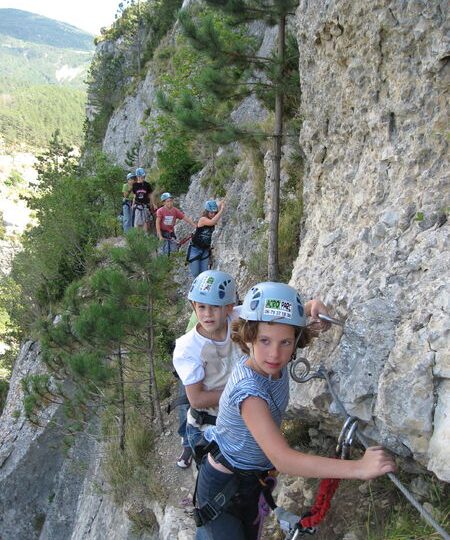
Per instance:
(213,287)
(273,302)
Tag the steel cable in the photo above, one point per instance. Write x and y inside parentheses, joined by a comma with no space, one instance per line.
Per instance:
(365,442)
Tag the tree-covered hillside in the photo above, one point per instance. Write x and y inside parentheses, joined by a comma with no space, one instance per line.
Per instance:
(43,64)
(30,114)
(34,28)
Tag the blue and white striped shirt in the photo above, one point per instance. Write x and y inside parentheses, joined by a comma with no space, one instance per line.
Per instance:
(230,432)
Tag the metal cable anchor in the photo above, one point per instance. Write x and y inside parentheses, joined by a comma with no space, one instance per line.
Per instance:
(300,370)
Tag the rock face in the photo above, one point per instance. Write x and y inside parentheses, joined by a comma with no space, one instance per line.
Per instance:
(126,129)
(45,492)
(375,241)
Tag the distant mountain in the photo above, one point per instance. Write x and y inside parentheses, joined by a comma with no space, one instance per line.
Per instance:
(37,29)
(43,66)
(35,63)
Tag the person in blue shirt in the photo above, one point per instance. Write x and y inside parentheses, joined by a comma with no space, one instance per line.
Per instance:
(246,441)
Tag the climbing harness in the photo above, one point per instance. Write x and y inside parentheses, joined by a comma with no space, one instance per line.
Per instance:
(199,257)
(202,417)
(223,500)
(170,244)
(184,240)
(301,372)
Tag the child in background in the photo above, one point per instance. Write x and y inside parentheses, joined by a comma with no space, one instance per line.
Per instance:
(127,201)
(143,201)
(246,441)
(205,356)
(185,459)
(166,219)
(199,250)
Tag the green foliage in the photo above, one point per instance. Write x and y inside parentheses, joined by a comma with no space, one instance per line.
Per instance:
(4,386)
(232,70)
(11,311)
(107,78)
(26,64)
(138,29)
(220,173)
(257,259)
(291,213)
(403,522)
(74,210)
(30,114)
(109,336)
(135,470)
(160,17)
(176,165)
(43,72)
(37,394)
(2,230)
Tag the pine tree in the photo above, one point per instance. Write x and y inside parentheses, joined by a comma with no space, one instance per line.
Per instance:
(105,342)
(236,71)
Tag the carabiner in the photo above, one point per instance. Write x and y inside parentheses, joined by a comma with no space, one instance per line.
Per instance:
(345,439)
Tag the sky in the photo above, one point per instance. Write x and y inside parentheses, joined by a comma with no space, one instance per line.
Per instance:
(89,15)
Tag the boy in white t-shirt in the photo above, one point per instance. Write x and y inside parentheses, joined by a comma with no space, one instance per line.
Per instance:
(205,356)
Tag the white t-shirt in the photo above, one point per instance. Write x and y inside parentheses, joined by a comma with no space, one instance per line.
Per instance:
(197,358)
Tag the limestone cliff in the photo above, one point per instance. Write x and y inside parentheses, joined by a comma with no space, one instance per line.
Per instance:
(375,240)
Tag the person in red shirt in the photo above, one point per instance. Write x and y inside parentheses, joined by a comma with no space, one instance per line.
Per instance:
(166,218)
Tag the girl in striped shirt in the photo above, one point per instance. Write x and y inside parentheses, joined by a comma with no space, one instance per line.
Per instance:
(247,441)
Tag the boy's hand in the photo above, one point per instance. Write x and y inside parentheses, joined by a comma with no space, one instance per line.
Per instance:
(312,309)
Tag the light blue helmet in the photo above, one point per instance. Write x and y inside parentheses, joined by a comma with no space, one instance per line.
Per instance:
(273,302)
(166,196)
(211,206)
(213,287)
(140,171)
(131,175)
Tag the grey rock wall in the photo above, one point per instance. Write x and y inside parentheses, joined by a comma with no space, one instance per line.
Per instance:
(127,127)
(375,240)
(47,492)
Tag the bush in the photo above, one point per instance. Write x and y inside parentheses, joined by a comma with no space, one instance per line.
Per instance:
(176,165)
(4,387)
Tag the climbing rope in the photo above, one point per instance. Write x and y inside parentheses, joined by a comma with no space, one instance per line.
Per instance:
(321,373)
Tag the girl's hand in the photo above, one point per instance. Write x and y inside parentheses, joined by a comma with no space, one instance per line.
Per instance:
(375,462)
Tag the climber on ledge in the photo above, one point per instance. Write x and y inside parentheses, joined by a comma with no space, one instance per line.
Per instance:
(199,249)
(127,202)
(166,218)
(143,202)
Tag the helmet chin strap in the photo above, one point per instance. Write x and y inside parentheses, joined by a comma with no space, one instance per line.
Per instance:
(297,339)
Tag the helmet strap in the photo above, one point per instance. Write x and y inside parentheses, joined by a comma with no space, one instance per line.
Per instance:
(297,339)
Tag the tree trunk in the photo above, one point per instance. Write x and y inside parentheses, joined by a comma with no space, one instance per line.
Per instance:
(272,266)
(138,36)
(122,421)
(153,387)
